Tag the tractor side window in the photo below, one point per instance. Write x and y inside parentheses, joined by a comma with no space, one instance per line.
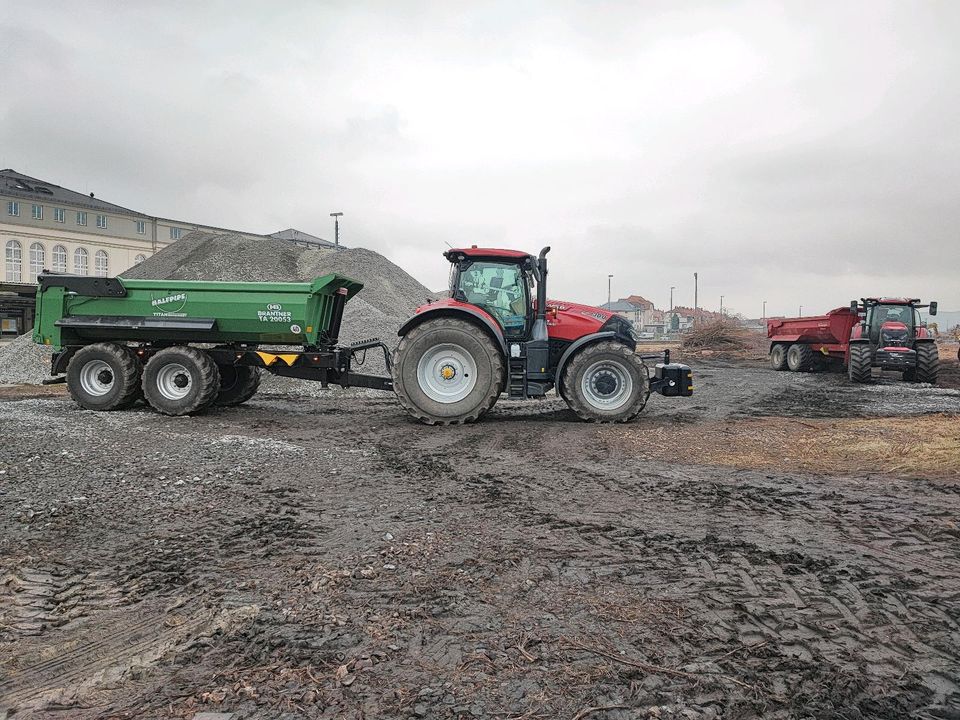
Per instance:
(501,290)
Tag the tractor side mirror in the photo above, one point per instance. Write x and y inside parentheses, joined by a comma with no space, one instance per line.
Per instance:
(933,307)
(854,306)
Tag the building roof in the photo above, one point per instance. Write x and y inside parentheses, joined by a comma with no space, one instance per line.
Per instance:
(639,301)
(15,184)
(295,235)
(620,306)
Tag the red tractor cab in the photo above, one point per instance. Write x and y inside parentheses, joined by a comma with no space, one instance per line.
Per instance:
(497,333)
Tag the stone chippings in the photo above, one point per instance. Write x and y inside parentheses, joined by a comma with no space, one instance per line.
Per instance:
(389,294)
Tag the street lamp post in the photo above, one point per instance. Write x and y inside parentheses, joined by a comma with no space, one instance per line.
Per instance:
(336,228)
(800,313)
(609,282)
(672,288)
(764,312)
(721,306)
(696,303)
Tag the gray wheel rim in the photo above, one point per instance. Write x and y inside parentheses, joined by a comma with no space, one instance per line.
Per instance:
(447,373)
(607,385)
(168,378)
(92,376)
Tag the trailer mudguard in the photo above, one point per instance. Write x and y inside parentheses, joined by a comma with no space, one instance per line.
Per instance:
(574,346)
(446,310)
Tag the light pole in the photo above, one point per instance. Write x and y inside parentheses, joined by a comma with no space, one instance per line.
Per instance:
(764,312)
(721,306)
(336,228)
(609,281)
(800,313)
(672,288)
(696,304)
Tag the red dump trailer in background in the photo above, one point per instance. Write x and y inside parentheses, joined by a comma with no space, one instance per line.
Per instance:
(876,332)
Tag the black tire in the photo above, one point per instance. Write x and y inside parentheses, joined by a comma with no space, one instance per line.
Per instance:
(601,361)
(164,373)
(860,362)
(778,357)
(104,376)
(238,383)
(472,341)
(800,358)
(928,363)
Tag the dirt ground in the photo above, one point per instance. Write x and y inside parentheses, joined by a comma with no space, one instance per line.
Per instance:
(777,546)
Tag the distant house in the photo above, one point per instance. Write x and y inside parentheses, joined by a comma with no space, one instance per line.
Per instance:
(635,308)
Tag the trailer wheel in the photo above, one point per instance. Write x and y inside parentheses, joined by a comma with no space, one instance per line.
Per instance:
(606,382)
(861,360)
(800,358)
(778,357)
(104,376)
(447,372)
(238,383)
(180,380)
(928,363)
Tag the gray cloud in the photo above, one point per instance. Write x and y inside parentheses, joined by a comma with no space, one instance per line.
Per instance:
(799,153)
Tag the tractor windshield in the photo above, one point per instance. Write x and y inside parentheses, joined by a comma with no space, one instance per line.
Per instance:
(885,323)
(500,289)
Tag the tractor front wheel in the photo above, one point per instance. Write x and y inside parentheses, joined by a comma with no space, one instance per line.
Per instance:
(606,382)
(861,360)
(447,372)
(928,363)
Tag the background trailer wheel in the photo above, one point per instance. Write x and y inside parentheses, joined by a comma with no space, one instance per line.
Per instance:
(180,380)
(447,371)
(606,382)
(778,357)
(104,376)
(800,358)
(238,383)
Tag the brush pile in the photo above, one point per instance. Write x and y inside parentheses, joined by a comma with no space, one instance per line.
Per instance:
(718,336)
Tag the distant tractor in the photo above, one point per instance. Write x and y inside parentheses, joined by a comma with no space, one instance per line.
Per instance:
(497,333)
(876,332)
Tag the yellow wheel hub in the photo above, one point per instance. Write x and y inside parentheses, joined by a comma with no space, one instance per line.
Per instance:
(447,372)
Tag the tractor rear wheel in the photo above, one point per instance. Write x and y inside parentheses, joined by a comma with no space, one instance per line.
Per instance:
(606,382)
(861,360)
(447,372)
(928,363)
(800,358)
(180,380)
(778,357)
(238,383)
(104,376)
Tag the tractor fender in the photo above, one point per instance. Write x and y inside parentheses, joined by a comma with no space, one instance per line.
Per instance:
(477,317)
(574,347)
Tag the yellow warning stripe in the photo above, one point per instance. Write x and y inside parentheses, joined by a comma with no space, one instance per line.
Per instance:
(269,358)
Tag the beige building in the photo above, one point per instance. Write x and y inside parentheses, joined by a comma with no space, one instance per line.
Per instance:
(47,227)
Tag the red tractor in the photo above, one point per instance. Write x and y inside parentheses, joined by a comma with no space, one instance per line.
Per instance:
(497,333)
(877,332)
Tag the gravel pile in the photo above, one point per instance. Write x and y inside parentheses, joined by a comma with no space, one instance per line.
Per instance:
(389,295)
(24,361)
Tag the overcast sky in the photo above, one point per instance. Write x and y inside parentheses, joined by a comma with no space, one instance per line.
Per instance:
(799,153)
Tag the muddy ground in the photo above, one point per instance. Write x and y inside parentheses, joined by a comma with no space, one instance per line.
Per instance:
(724,557)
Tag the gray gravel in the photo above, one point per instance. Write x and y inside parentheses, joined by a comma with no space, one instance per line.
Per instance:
(23,361)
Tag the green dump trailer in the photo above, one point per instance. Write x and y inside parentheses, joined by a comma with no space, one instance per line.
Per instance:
(185,345)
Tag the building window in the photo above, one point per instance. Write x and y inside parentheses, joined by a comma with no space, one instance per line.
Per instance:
(175,233)
(37,212)
(59,258)
(13,208)
(13,254)
(139,259)
(81,217)
(37,258)
(101,264)
(80,266)
(59,215)
(102,221)
(141,227)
